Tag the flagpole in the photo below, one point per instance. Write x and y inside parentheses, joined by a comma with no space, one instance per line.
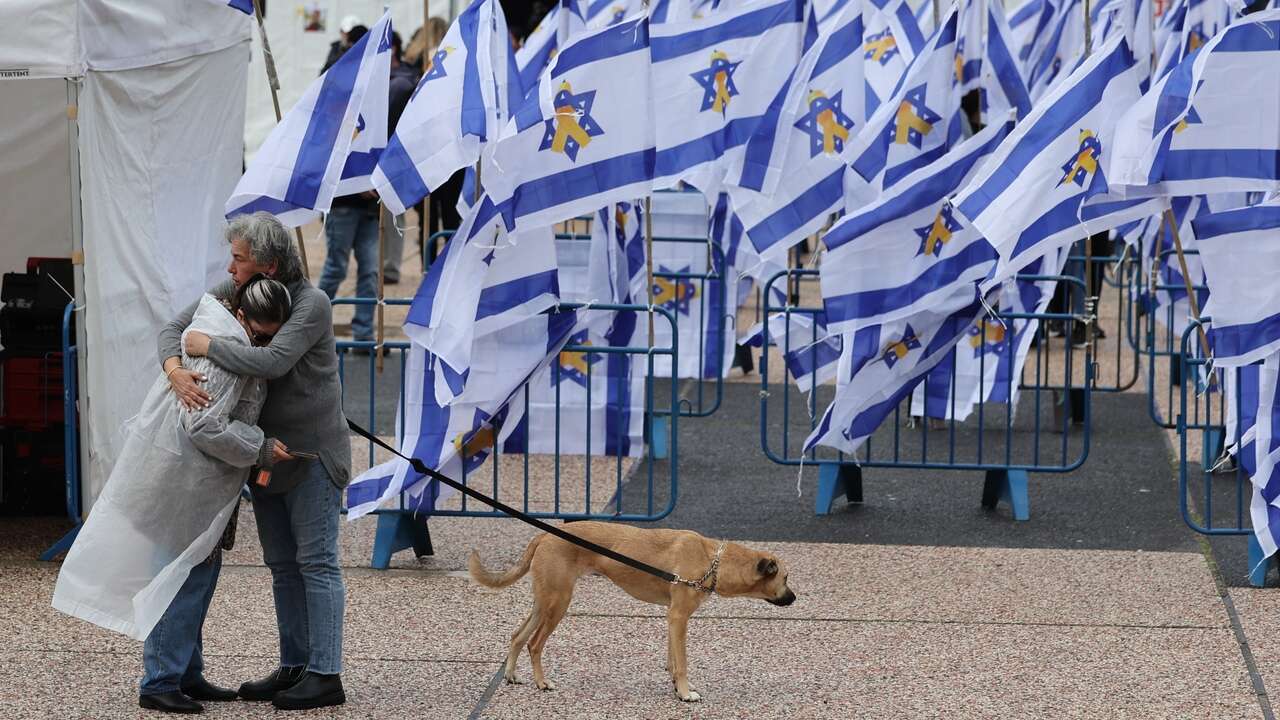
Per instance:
(1186,279)
(424,215)
(648,260)
(937,15)
(382,252)
(1091,299)
(273,81)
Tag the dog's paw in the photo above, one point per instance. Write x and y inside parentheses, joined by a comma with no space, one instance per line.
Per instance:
(512,679)
(693,696)
(546,685)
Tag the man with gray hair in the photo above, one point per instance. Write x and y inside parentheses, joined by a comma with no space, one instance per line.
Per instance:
(297,511)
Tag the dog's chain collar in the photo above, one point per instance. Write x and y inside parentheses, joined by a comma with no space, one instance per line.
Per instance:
(712,574)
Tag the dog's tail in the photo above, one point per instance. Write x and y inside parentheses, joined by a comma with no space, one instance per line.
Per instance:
(494,580)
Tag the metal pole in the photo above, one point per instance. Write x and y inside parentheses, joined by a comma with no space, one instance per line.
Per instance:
(648,260)
(937,15)
(273,81)
(1186,279)
(424,216)
(382,251)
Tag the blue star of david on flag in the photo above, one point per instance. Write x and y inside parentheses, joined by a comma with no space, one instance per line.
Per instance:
(937,233)
(914,119)
(880,47)
(435,70)
(899,349)
(1084,162)
(826,124)
(674,294)
(572,127)
(574,365)
(619,13)
(717,82)
(1191,118)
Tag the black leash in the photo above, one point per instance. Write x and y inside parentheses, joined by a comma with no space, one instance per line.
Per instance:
(422,468)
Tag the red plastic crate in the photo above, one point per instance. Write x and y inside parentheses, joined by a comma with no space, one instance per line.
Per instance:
(31,391)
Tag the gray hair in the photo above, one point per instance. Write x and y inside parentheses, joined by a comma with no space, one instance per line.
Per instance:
(268,242)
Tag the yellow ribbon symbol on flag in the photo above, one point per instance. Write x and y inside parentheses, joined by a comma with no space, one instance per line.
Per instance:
(907,121)
(574,360)
(481,441)
(938,235)
(721,82)
(830,125)
(1086,160)
(992,332)
(567,125)
(959,68)
(878,47)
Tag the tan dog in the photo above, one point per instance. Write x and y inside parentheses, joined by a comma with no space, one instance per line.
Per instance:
(726,569)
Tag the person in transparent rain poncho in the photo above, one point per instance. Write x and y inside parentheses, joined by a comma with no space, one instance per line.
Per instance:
(146,562)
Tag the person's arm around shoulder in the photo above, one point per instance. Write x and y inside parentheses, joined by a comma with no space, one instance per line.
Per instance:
(215,431)
(311,321)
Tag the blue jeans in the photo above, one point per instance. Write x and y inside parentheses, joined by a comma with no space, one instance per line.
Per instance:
(171,656)
(348,229)
(299,535)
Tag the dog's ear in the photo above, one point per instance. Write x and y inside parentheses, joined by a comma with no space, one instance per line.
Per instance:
(767,567)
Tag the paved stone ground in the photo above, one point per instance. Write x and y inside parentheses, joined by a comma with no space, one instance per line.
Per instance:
(915,603)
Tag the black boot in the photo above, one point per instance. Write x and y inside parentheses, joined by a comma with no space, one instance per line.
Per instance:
(282,678)
(312,691)
(204,690)
(170,702)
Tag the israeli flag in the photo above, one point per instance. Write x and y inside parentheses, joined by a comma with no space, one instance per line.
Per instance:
(485,280)
(457,438)
(887,49)
(966,376)
(713,80)
(822,111)
(1059,53)
(1026,22)
(1169,274)
(1240,250)
(917,124)
(901,20)
(1045,187)
(538,49)
(584,137)
(603,13)
(908,249)
(1000,77)
(810,354)
(882,364)
(1211,124)
(1260,451)
(461,103)
(296,172)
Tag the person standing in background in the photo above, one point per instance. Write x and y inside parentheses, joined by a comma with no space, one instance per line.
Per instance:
(346,38)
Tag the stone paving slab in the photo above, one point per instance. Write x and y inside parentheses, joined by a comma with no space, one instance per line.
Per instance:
(611,668)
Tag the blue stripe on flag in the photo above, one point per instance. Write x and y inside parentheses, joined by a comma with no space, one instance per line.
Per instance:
(1255,164)
(497,299)
(1260,217)
(529,74)
(1240,340)
(265,204)
(361,164)
(760,145)
(474,117)
(808,205)
(750,24)
(1005,69)
(678,158)
(402,173)
(244,6)
(867,303)
(322,132)
(1057,119)
(579,182)
(915,40)
(1066,214)
(608,43)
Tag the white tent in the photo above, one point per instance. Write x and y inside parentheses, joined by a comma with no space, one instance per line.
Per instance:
(121,135)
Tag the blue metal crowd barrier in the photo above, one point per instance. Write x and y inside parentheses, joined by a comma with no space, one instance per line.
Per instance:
(1161,345)
(1218,482)
(1120,273)
(401,528)
(70,437)
(1005,449)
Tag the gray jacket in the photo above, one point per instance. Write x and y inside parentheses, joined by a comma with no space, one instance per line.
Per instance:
(304,393)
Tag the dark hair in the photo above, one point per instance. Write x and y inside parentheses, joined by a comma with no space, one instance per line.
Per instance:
(355,33)
(397,49)
(262,300)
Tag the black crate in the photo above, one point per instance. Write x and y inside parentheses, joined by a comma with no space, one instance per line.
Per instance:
(33,476)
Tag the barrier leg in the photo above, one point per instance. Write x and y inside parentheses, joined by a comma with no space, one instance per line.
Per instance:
(1257,564)
(834,480)
(63,544)
(742,358)
(659,434)
(1213,439)
(399,531)
(1010,486)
